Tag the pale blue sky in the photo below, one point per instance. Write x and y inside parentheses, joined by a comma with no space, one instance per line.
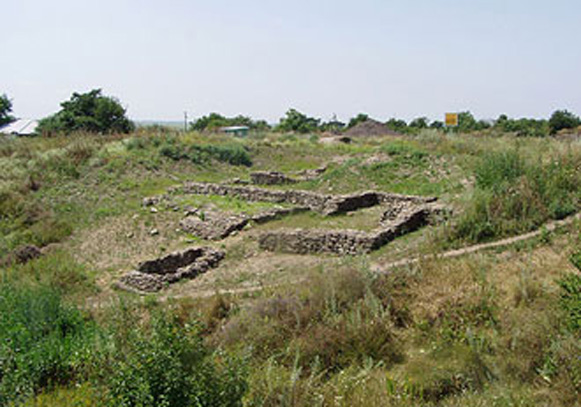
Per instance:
(388,58)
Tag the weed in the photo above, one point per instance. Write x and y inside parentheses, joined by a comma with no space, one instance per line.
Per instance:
(43,341)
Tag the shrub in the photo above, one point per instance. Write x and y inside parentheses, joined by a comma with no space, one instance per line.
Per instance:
(571,300)
(43,342)
(233,154)
(165,364)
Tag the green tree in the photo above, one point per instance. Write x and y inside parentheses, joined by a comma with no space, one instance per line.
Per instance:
(563,119)
(522,127)
(214,121)
(360,118)
(437,124)
(419,123)
(298,122)
(5,109)
(91,112)
(397,125)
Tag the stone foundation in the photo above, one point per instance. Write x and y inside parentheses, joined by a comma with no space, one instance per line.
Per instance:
(271,178)
(154,275)
(345,242)
(217,225)
(325,204)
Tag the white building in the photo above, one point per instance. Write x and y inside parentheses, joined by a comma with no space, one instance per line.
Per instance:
(20,127)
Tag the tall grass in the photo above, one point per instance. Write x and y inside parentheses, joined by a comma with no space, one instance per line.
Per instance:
(514,194)
(43,342)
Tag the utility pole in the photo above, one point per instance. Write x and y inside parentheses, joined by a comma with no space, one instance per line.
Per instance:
(186,122)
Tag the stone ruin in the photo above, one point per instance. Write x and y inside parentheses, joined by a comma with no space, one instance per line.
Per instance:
(403,214)
(323,203)
(271,178)
(350,242)
(153,275)
(215,225)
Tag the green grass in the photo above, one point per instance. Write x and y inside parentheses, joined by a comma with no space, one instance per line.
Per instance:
(498,328)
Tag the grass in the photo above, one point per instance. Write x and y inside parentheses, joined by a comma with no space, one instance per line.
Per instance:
(516,195)
(498,328)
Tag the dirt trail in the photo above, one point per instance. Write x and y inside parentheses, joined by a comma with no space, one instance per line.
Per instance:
(551,226)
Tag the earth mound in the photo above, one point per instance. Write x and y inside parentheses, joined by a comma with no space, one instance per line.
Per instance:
(370,127)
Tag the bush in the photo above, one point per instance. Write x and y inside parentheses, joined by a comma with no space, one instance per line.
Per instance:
(165,364)
(233,154)
(43,342)
(571,300)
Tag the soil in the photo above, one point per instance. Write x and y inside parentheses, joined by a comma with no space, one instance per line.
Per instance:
(370,127)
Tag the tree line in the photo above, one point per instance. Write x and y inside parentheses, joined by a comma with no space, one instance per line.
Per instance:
(95,112)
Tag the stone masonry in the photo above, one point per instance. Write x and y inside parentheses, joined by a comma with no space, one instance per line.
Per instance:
(153,275)
(325,204)
(346,242)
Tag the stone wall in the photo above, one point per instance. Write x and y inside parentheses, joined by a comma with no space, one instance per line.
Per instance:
(215,225)
(271,178)
(154,275)
(326,204)
(345,242)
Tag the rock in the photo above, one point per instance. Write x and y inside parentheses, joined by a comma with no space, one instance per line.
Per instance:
(23,254)
(154,232)
(271,178)
(153,210)
(152,200)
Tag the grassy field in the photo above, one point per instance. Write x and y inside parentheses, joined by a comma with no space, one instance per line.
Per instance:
(495,328)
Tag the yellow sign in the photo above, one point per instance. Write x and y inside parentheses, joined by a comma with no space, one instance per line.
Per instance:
(451,119)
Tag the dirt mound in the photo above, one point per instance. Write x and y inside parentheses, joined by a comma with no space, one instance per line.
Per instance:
(370,127)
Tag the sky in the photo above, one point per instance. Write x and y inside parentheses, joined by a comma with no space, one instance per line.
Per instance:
(386,58)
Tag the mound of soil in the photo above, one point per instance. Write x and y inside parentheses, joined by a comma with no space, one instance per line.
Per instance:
(370,127)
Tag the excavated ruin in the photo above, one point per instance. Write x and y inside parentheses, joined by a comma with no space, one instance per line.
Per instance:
(349,242)
(322,203)
(154,275)
(215,225)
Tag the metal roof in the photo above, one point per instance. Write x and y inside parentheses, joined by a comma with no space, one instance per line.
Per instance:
(235,128)
(20,126)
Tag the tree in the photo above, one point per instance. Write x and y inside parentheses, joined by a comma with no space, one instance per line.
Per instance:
(563,119)
(360,118)
(397,125)
(5,109)
(91,112)
(419,123)
(214,121)
(522,127)
(296,121)
(437,124)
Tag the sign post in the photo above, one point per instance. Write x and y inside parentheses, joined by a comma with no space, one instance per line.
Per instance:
(451,120)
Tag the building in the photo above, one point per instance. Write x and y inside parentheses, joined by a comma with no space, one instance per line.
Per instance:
(20,127)
(236,130)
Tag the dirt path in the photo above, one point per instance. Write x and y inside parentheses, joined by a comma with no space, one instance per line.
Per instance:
(551,226)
